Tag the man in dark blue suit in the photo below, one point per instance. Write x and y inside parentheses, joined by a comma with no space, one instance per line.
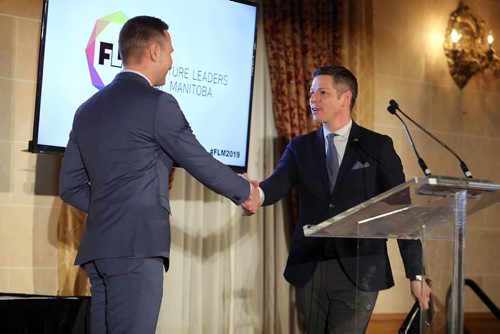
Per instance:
(335,168)
(116,167)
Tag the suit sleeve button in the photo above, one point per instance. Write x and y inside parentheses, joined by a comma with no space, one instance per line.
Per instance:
(331,205)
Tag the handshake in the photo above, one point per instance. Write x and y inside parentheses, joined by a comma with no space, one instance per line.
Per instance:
(254,201)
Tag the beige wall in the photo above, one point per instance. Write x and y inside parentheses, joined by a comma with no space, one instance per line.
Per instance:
(411,68)
(28,253)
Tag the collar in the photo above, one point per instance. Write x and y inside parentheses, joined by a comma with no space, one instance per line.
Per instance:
(342,132)
(139,73)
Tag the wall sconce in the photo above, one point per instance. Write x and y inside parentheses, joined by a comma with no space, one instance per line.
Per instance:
(464,46)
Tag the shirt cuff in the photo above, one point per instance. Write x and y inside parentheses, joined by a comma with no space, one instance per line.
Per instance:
(262,195)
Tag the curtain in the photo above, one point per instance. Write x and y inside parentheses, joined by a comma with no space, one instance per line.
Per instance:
(358,56)
(72,279)
(226,270)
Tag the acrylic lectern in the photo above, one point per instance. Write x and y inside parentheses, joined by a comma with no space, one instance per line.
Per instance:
(424,208)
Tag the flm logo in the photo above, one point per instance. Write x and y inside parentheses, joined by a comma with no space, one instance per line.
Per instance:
(103,57)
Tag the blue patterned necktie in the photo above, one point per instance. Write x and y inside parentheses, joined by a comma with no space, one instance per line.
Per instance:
(332,161)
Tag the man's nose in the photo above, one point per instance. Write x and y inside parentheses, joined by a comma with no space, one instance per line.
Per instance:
(313,97)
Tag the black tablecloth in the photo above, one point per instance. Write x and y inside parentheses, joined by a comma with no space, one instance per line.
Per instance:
(26,314)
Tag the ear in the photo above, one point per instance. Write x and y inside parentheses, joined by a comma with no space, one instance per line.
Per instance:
(154,51)
(346,98)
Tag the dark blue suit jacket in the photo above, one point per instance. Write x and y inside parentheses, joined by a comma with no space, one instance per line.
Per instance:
(123,144)
(365,261)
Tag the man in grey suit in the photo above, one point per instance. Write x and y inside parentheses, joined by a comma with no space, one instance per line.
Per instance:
(116,167)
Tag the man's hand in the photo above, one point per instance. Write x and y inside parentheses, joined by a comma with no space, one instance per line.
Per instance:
(422,292)
(252,203)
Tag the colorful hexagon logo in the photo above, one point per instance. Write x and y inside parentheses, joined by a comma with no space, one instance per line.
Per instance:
(103,57)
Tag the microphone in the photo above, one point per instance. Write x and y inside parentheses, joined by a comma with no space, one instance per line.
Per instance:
(393,106)
(392,109)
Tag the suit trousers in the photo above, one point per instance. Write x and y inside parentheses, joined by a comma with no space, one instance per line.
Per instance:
(126,294)
(331,303)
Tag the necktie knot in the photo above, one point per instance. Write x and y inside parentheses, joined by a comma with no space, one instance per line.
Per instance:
(330,138)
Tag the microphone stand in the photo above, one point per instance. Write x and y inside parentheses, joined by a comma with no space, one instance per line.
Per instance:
(393,106)
(421,161)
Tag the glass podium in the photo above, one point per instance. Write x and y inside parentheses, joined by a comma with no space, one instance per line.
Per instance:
(423,208)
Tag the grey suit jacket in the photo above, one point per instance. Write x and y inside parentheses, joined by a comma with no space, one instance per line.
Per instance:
(369,167)
(122,146)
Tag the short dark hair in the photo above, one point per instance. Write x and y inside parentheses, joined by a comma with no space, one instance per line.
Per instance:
(341,75)
(136,35)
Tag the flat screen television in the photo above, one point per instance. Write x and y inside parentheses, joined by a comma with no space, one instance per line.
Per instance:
(212,75)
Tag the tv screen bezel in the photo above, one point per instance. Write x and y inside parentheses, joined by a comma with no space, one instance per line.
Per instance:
(35,147)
